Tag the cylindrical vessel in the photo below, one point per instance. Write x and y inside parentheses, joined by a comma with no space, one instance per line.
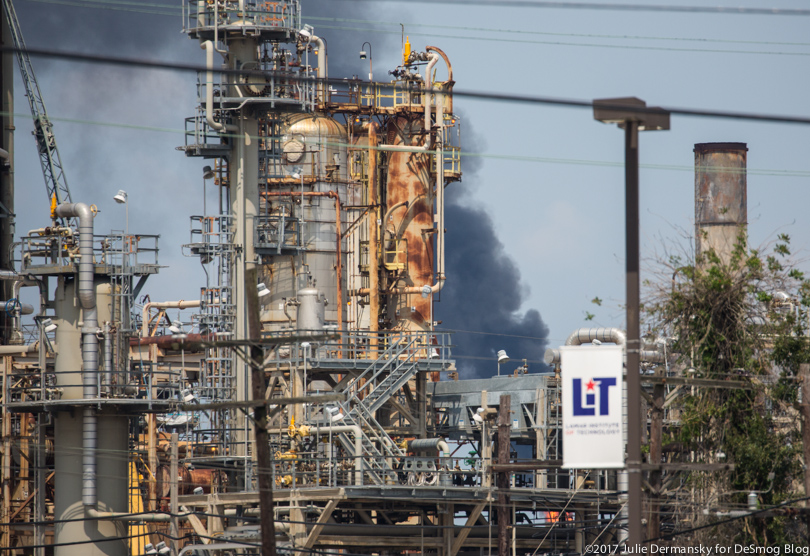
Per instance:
(408,230)
(68,364)
(317,144)
(721,198)
(311,309)
(89,536)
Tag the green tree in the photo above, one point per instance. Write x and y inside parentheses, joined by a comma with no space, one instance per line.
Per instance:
(742,319)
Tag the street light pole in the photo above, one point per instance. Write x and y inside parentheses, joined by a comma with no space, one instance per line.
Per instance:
(633,115)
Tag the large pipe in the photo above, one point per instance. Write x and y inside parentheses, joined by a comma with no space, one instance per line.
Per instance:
(19,350)
(323,67)
(87,300)
(108,358)
(587,335)
(373,240)
(338,237)
(182,304)
(450,81)
(434,58)
(430,444)
(208,46)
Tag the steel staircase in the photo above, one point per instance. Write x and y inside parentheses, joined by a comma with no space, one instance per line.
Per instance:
(366,394)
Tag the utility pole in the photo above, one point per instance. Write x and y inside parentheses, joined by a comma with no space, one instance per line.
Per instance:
(656,441)
(804,375)
(504,443)
(267,526)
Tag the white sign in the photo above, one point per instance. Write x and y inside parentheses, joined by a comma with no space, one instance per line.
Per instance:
(592,407)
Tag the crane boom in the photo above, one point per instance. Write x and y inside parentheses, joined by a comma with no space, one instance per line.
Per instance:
(52,170)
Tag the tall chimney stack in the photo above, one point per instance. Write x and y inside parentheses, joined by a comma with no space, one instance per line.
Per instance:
(721,198)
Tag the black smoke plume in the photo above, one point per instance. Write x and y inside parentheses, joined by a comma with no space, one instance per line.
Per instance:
(484,293)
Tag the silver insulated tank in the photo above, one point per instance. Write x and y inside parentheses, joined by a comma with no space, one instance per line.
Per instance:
(311,309)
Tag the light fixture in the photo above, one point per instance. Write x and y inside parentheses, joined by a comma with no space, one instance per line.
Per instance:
(364,55)
(297,172)
(596,342)
(150,548)
(48,325)
(263,291)
(176,327)
(306,32)
(208,173)
(502,357)
(198,491)
(120,197)
(426,291)
(188,396)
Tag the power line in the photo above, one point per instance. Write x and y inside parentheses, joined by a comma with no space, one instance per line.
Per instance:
(617,7)
(124,6)
(552,34)
(477,95)
(559,43)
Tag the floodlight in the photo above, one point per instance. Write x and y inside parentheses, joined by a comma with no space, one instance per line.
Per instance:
(208,173)
(198,491)
(426,291)
(263,291)
(48,325)
(120,197)
(363,55)
(176,327)
(502,357)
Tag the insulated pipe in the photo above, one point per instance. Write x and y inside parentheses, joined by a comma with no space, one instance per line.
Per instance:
(123,516)
(338,237)
(450,81)
(87,300)
(373,240)
(434,58)
(14,305)
(430,444)
(19,350)
(323,67)
(585,335)
(208,46)
(108,358)
(358,447)
(182,304)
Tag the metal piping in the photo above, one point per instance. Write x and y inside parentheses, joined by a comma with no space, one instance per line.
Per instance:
(182,304)
(108,357)
(450,81)
(208,46)
(86,294)
(19,350)
(434,58)
(430,444)
(586,335)
(323,67)
(358,447)
(373,240)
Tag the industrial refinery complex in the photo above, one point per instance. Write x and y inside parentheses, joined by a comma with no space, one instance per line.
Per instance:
(307,403)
